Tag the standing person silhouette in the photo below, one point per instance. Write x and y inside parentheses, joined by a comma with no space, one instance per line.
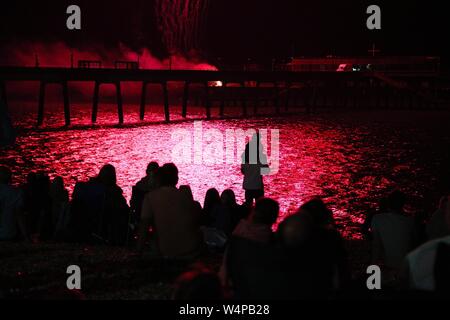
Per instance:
(254,164)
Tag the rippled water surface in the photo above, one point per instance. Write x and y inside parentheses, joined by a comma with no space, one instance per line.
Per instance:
(350,159)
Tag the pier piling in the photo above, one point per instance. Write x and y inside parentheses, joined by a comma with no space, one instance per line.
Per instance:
(66,103)
(95,102)
(207,101)
(244,99)
(119,102)
(40,117)
(185,99)
(166,102)
(143,100)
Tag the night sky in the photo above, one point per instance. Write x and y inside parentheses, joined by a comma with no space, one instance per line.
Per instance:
(238,29)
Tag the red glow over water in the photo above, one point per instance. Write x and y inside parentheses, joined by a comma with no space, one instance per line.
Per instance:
(58,54)
(350,160)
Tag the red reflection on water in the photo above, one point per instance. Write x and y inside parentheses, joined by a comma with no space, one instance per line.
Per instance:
(350,166)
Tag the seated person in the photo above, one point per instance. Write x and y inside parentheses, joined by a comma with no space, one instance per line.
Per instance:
(253,264)
(12,222)
(144,186)
(171,214)
(393,233)
(437,227)
(99,211)
(424,264)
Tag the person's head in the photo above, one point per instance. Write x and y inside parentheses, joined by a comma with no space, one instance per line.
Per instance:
(266,211)
(198,284)
(319,212)
(152,168)
(296,229)
(107,175)
(228,198)
(212,198)
(396,201)
(187,191)
(58,183)
(31,178)
(42,182)
(382,205)
(168,175)
(5,175)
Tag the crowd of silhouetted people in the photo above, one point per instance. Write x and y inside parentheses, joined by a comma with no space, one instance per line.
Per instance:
(305,257)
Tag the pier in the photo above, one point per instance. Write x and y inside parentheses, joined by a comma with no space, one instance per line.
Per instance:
(313,88)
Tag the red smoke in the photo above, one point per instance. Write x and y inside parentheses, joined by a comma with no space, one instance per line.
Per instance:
(60,55)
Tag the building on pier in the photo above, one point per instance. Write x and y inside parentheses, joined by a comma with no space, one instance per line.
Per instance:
(400,65)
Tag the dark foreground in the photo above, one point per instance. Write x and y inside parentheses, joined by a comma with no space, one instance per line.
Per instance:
(38,271)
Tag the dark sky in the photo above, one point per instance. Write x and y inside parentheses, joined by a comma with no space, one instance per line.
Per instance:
(241,29)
